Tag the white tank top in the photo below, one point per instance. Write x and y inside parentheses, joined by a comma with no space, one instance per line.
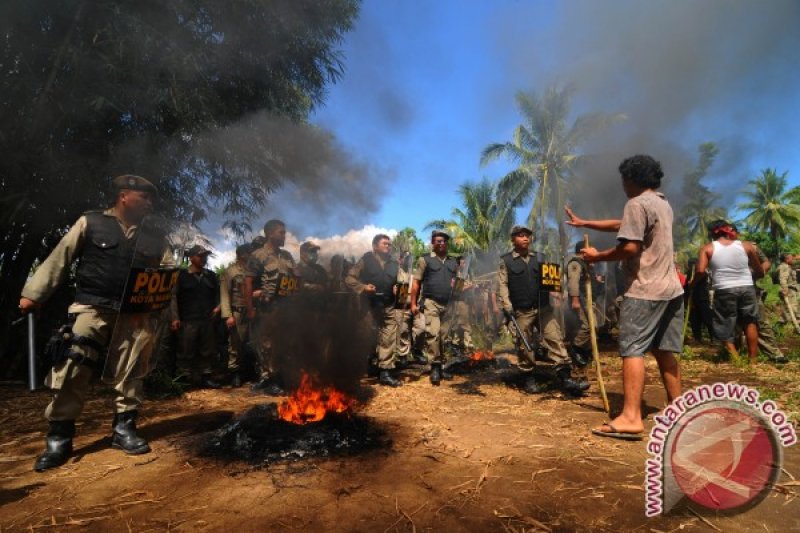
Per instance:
(729,266)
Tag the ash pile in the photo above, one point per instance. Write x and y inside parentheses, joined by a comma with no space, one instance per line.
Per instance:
(260,436)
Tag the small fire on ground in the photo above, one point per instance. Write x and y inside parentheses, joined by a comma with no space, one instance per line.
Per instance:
(311,402)
(481,355)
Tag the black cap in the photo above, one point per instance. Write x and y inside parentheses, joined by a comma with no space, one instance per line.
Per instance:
(197,250)
(133,183)
(439,233)
(516,230)
(243,249)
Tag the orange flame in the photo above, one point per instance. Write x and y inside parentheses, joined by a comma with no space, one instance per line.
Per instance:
(310,402)
(481,355)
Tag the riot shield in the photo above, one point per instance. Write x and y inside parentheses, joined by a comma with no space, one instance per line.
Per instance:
(145,305)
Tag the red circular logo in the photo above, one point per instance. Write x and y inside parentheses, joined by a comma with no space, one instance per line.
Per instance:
(724,457)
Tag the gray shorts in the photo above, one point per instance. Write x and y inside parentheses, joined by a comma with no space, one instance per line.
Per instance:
(650,324)
(738,304)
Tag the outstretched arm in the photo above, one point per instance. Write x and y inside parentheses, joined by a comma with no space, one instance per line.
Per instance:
(623,250)
(599,225)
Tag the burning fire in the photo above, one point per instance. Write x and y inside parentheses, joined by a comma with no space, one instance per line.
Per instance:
(311,402)
(481,355)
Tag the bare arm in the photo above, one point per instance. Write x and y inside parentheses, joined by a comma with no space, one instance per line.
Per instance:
(622,251)
(599,225)
(700,271)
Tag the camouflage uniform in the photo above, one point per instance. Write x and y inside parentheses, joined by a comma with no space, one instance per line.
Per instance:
(232,304)
(274,273)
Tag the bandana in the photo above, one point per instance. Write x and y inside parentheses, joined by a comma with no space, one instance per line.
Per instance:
(725,231)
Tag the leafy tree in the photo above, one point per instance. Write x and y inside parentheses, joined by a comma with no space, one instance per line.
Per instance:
(700,208)
(771,207)
(176,90)
(406,240)
(545,148)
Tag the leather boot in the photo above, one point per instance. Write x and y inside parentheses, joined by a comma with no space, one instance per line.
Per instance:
(436,374)
(532,387)
(385,378)
(570,386)
(58,445)
(125,437)
(580,356)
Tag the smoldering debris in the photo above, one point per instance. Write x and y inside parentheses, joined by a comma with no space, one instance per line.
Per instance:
(260,437)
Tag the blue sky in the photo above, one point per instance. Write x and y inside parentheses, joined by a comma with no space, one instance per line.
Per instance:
(428,84)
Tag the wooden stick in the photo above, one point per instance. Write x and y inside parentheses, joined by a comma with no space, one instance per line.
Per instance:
(593,333)
(688,305)
(791,312)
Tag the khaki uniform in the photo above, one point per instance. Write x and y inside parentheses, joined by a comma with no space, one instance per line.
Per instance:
(788,283)
(460,334)
(382,316)
(551,332)
(576,281)
(766,336)
(70,379)
(437,320)
(232,304)
(274,273)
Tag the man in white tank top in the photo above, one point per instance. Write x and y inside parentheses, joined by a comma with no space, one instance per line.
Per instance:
(734,265)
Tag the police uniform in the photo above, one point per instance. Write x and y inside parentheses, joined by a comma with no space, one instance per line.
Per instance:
(105,248)
(274,273)
(460,334)
(519,295)
(437,276)
(767,343)
(382,273)
(577,274)
(232,304)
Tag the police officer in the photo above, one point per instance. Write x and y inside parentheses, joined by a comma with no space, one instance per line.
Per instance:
(271,277)
(787,279)
(195,307)
(436,273)
(578,272)
(520,297)
(234,311)
(375,277)
(313,277)
(104,244)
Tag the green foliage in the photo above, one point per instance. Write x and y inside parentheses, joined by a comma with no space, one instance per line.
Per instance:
(690,225)
(545,149)
(771,207)
(407,240)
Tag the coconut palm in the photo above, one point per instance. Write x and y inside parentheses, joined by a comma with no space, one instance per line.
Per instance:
(772,208)
(484,222)
(545,148)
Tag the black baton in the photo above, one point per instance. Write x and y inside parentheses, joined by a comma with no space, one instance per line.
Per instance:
(519,332)
(31,353)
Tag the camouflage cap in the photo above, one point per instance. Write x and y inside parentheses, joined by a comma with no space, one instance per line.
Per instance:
(439,233)
(197,250)
(133,183)
(308,245)
(516,230)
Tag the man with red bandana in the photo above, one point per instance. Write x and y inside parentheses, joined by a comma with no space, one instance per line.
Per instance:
(734,265)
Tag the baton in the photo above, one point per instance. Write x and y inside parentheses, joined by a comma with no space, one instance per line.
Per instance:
(593,333)
(31,353)
(519,332)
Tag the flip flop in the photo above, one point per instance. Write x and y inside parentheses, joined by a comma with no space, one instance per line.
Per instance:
(615,434)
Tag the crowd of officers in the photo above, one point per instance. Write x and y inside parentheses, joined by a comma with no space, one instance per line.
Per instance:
(420,312)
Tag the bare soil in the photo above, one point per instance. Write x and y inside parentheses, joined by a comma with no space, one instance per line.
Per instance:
(475,454)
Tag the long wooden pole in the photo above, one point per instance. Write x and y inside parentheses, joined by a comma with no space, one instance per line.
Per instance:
(593,333)
(688,309)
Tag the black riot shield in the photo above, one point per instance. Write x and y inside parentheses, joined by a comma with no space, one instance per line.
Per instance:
(145,304)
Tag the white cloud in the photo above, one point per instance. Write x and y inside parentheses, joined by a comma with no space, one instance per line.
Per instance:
(353,243)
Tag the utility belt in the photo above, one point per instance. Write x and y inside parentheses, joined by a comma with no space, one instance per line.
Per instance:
(59,347)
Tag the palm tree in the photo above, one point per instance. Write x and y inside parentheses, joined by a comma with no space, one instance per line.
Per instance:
(545,149)
(483,224)
(691,225)
(771,207)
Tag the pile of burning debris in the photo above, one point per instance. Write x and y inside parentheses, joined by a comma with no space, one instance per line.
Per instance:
(315,421)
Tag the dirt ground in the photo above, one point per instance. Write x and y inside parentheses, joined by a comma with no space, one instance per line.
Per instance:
(472,455)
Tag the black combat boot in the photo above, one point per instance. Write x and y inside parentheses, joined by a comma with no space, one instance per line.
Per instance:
(385,378)
(236,380)
(531,386)
(125,437)
(571,386)
(580,356)
(436,374)
(58,445)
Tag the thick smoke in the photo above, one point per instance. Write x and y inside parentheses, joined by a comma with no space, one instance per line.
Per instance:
(683,72)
